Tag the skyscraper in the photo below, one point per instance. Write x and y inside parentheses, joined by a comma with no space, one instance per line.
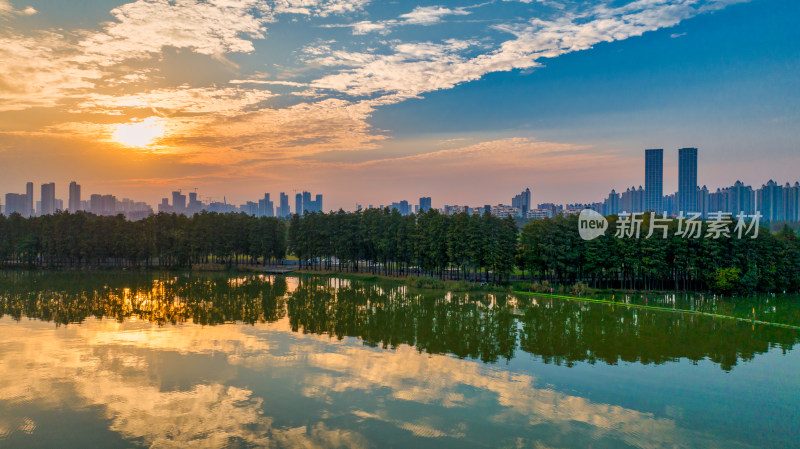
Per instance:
(178,202)
(318,203)
(16,203)
(307,202)
(425,204)
(770,201)
(283,209)
(654,180)
(48,199)
(687,180)
(522,201)
(29,205)
(298,204)
(74,197)
(266,207)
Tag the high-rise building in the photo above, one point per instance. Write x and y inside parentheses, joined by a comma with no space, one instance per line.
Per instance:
(48,199)
(74,197)
(266,207)
(610,205)
(791,202)
(632,200)
(195,206)
(16,203)
(687,179)
(425,204)
(298,204)
(162,207)
(522,201)
(703,201)
(178,202)
(654,180)
(29,195)
(307,206)
(770,201)
(283,209)
(318,203)
(96,204)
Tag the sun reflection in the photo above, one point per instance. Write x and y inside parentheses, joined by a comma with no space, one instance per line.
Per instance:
(139,133)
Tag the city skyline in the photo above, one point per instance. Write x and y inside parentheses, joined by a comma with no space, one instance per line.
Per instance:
(775,201)
(362,99)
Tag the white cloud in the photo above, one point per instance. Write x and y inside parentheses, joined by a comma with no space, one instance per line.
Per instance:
(429,15)
(143,28)
(321,8)
(442,66)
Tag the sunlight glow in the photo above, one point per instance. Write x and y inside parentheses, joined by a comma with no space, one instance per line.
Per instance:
(140,133)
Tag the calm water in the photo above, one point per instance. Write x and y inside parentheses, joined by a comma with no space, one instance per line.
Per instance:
(126,360)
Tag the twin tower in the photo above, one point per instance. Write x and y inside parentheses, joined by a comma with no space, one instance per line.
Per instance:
(654,180)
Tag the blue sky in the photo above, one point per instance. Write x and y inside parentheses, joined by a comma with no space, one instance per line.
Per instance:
(374,102)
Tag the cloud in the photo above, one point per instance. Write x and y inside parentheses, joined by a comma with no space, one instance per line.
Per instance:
(179,100)
(143,28)
(416,68)
(7,9)
(430,15)
(41,71)
(320,8)
(421,15)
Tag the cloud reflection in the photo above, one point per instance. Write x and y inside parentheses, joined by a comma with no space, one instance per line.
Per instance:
(113,365)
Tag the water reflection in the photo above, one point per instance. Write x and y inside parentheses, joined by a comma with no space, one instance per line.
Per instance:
(289,375)
(490,328)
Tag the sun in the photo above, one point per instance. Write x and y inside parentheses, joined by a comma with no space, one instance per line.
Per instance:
(139,133)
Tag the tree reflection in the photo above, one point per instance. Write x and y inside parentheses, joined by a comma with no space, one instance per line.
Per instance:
(490,328)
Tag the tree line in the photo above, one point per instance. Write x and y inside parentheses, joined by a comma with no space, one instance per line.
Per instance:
(461,246)
(66,240)
(552,250)
(475,247)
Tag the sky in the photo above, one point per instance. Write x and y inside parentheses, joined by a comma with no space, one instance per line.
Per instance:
(373,102)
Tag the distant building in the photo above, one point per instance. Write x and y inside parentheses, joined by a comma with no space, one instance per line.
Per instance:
(178,202)
(402,206)
(195,206)
(283,208)
(425,204)
(29,197)
(791,202)
(632,200)
(735,199)
(16,203)
(703,201)
(653,180)
(74,197)
(687,179)
(522,201)
(538,214)
(163,207)
(48,199)
(318,203)
(307,206)
(266,207)
(611,204)
(770,201)
(503,211)
(298,204)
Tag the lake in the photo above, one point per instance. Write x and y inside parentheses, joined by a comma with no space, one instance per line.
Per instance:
(121,359)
